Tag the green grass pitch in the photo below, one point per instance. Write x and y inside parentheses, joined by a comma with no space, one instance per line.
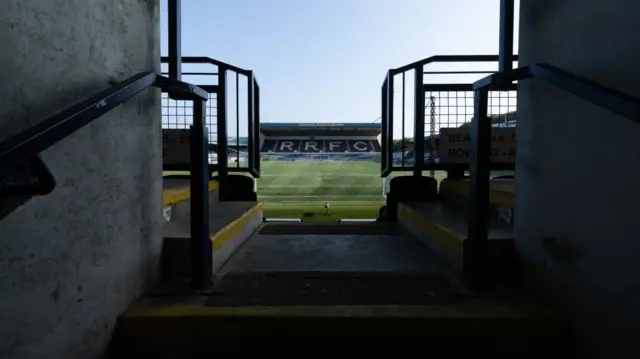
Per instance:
(299,189)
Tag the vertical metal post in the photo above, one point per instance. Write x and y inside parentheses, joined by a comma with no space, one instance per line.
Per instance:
(383,123)
(237,119)
(253,141)
(418,125)
(389,101)
(403,117)
(475,247)
(175,34)
(201,249)
(256,114)
(223,169)
(505,54)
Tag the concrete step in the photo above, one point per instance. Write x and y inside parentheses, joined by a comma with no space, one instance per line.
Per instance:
(443,228)
(292,254)
(231,224)
(501,198)
(176,197)
(381,291)
(295,288)
(189,328)
(329,228)
(502,191)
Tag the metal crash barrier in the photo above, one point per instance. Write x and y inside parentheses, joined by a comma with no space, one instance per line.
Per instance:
(427,108)
(232,119)
(195,140)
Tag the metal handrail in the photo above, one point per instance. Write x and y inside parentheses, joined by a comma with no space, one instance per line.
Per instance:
(207,60)
(388,93)
(609,98)
(480,148)
(253,111)
(45,134)
(22,172)
(448,58)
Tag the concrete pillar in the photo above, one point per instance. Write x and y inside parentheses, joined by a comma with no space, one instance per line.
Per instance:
(72,261)
(577,184)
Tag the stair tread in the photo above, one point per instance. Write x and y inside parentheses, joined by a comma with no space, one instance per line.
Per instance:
(488,306)
(333,288)
(501,191)
(329,228)
(346,253)
(454,220)
(221,214)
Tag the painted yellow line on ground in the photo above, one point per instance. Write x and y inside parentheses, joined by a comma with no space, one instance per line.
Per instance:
(220,237)
(472,320)
(450,238)
(501,193)
(471,309)
(173,195)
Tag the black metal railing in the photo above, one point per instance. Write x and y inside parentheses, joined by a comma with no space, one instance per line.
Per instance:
(23,172)
(435,104)
(480,152)
(479,165)
(233,119)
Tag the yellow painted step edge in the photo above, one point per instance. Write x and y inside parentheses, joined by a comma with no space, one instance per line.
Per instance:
(498,196)
(174,195)
(480,309)
(220,237)
(450,238)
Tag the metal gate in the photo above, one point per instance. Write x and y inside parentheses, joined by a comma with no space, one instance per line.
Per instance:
(417,103)
(232,119)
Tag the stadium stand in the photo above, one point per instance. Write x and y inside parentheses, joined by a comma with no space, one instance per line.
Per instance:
(410,153)
(322,141)
(321,145)
(304,165)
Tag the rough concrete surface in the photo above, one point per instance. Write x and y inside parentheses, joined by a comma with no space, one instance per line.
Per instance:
(343,253)
(72,261)
(311,269)
(576,228)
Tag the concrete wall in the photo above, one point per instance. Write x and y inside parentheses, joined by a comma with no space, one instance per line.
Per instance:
(72,261)
(578,179)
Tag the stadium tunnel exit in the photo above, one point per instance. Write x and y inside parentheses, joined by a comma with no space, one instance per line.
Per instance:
(95,262)
(308,166)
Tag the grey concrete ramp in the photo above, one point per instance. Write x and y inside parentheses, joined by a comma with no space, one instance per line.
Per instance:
(333,288)
(388,267)
(329,228)
(340,253)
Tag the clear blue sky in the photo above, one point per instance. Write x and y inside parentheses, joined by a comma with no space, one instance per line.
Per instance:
(324,60)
